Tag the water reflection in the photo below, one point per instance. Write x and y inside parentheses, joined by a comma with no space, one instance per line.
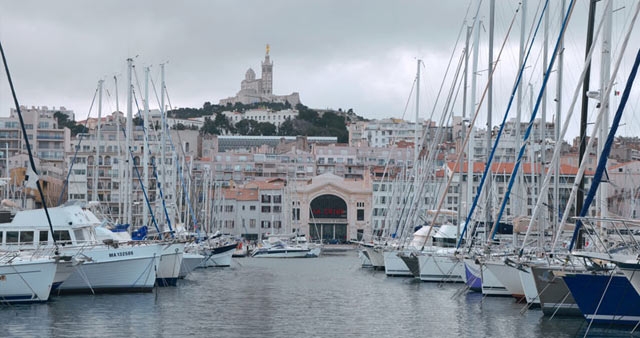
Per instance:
(330,296)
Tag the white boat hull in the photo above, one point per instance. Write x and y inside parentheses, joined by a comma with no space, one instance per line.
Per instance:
(170,263)
(285,253)
(190,261)
(508,276)
(129,267)
(26,280)
(375,256)
(394,265)
(218,257)
(491,285)
(529,285)
(364,259)
(440,267)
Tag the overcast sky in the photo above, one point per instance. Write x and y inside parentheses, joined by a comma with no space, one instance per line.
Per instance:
(336,54)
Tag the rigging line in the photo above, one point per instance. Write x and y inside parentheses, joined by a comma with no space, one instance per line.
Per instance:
(75,154)
(135,74)
(531,41)
(158,184)
(406,106)
(178,133)
(607,146)
(411,214)
(598,120)
(593,317)
(26,140)
(433,150)
(132,89)
(475,18)
(453,52)
(466,140)
(179,167)
(533,115)
(144,191)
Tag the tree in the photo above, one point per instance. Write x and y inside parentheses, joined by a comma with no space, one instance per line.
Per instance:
(222,123)
(265,129)
(287,128)
(246,127)
(63,121)
(209,127)
(332,120)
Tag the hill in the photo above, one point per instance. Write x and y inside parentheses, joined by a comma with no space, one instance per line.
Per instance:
(310,122)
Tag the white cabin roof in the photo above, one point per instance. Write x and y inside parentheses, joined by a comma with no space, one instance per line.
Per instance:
(65,216)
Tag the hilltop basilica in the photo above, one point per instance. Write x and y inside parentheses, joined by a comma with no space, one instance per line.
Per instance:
(254,90)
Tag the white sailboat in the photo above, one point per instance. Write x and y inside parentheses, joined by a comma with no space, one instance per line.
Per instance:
(286,246)
(25,277)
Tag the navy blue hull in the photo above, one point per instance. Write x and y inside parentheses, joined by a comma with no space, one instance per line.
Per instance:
(619,300)
(167,281)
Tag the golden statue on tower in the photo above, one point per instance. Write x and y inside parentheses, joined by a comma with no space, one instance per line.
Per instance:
(268,49)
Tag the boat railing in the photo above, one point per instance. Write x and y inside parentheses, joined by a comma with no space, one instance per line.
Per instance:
(608,234)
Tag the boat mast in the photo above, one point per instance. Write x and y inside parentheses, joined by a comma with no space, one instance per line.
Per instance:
(96,162)
(488,215)
(605,73)
(129,131)
(415,131)
(542,129)
(472,106)
(145,128)
(163,139)
(584,114)
(517,205)
(463,126)
(556,187)
(120,168)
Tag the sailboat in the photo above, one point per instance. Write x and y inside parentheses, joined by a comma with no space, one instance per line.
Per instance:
(26,277)
(290,243)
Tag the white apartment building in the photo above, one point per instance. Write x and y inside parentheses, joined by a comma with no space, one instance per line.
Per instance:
(48,142)
(262,115)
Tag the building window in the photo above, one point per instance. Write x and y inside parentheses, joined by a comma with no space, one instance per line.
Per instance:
(360,214)
(266,208)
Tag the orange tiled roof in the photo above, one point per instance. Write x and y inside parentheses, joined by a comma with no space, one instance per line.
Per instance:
(508,167)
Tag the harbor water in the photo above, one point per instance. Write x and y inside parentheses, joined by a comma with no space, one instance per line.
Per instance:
(330,296)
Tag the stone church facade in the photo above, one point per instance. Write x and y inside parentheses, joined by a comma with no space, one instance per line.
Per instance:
(253,90)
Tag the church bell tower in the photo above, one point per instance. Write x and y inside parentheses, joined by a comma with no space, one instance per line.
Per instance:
(267,74)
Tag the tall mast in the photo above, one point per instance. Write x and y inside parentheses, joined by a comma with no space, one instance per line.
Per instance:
(96,162)
(488,216)
(120,167)
(163,142)
(463,125)
(517,205)
(472,109)
(145,154)
(415,136)
(585,112)
(542,219)
(129,131)
(556,187)
(605,73)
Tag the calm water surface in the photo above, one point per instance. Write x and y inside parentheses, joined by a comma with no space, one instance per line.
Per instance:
(330,296)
